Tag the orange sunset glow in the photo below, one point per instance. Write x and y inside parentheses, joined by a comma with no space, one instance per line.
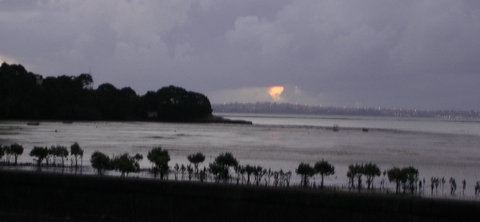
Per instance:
(275,92)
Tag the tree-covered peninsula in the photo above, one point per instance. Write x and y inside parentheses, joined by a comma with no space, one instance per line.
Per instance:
(29,96)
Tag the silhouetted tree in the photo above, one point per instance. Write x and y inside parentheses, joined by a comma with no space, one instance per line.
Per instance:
(371,170)
(202,175)
(411,174)
(19,93)
(221,166)
(100,162)
(407,177)
(109,102)
(443,181)
(2,151)
(176,170)
(50,154)
(355,171)
(126,164)
(67,97)
(159,158)
(196,159)
(218,171)
(305,171)
(258,173)
(249,171)
(396,175)
(40,153)
(57,151)
(453,185)
(267,177)
(282,179)
(8,153)
(16,150)
(183,171)
(477,188)
(324,169)
(190,171)
(76,151)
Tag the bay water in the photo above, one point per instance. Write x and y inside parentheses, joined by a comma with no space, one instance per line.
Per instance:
(436,147)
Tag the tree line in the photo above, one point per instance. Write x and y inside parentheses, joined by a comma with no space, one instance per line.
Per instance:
(226,168)
(41,154)
(25,95)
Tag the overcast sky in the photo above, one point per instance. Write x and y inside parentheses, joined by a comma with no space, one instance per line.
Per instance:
(417,54)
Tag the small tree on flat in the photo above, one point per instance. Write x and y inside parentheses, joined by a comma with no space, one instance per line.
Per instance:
(2,152)
(62,152)
(52,152)
(240,171)
(398,176)
(203,174)
(176,170)
(40,153)
(355,171)
(190,171)
(371,170)
(411,174)
(16,150)
(8,153)
(159,158)
(258,173)
(127,164)
(196,159)
(218,171)
(249,171)
(100,162)
(305,171)
(324,169)
(221,166)
(76,151)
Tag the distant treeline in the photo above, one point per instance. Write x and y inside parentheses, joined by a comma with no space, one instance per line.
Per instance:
(25,95)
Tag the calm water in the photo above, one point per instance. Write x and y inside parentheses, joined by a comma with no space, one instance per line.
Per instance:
(439,125)
(437,147)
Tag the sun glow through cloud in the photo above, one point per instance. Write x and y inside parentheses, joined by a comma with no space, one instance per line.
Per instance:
(276,92)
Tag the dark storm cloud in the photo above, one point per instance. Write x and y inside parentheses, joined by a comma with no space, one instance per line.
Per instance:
(399,54)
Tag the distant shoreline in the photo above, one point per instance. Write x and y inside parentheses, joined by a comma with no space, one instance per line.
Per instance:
(292,108)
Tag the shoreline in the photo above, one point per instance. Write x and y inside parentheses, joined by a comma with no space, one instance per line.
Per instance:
(43,196)
(146,174)
(209,119)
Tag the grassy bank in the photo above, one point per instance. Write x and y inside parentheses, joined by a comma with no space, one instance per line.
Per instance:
(63,197)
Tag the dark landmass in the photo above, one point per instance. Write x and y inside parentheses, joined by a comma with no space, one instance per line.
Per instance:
(289,108)
(36,196)
(219,119)
(28,96)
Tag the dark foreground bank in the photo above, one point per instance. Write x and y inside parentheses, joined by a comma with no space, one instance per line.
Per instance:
(33,196)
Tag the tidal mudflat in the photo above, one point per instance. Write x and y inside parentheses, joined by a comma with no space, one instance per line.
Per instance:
(434,154)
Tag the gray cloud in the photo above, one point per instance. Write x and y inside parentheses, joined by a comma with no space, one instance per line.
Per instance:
(411,54)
